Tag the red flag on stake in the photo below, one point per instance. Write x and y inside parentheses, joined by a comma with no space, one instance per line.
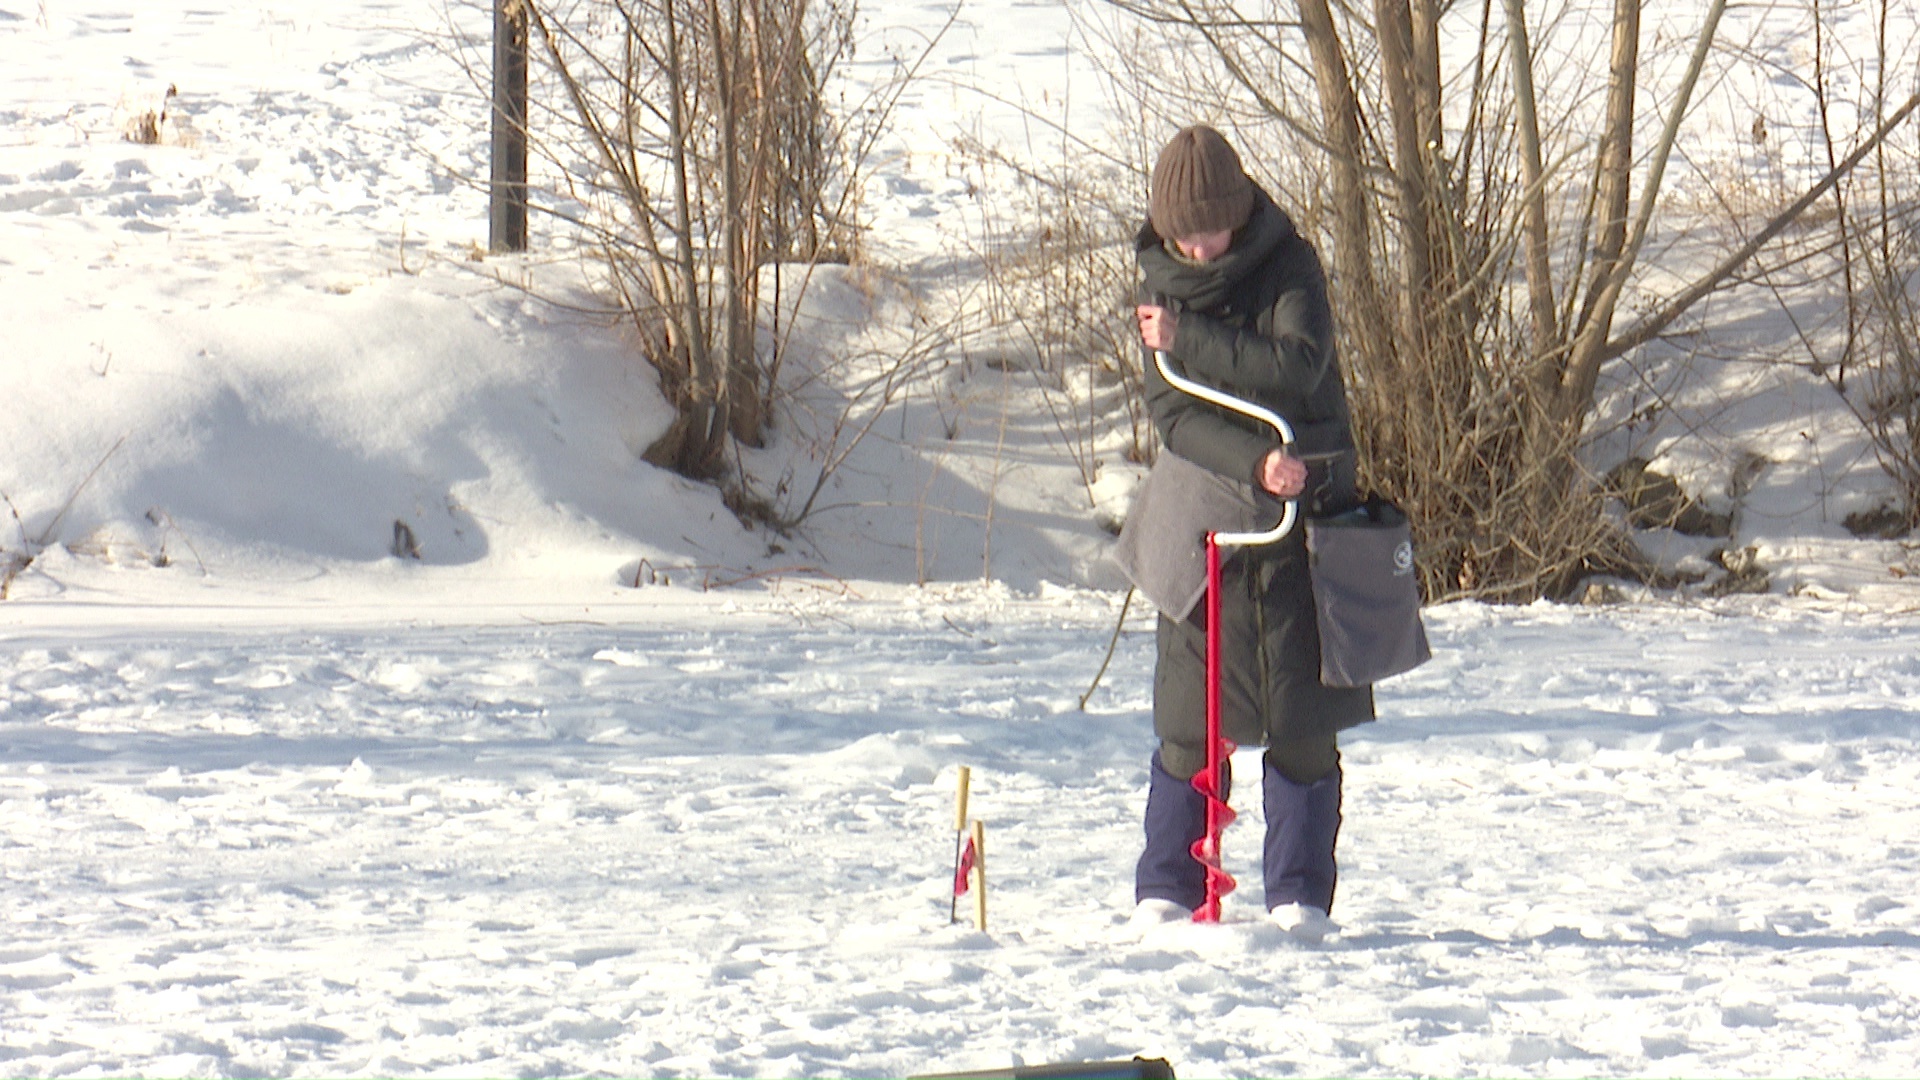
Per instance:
(963,869)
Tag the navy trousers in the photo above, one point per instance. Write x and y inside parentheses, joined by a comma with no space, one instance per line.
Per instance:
(1297,858)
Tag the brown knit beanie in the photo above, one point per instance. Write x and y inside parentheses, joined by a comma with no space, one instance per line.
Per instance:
(1199,186)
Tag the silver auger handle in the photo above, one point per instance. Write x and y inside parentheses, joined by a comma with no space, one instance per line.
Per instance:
(1246,408)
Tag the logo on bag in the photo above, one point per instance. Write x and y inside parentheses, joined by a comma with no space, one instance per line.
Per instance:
(1403,559)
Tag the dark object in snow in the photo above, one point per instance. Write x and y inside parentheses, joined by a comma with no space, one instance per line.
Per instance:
(404,544)
(1138,1068)
(1655,500)
(1883,522)
(1744,573)
(149,128)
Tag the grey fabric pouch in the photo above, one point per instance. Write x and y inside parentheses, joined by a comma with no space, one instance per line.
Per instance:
(1366,595)
(1163,546)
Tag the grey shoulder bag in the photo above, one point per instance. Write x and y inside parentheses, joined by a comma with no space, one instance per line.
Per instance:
(1366,596)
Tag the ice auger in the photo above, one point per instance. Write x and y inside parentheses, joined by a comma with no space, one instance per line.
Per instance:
(1208,781)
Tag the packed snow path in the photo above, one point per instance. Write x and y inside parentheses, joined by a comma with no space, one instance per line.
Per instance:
(1640,841)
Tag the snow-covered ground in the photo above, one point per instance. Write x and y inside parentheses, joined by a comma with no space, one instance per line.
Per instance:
(606,783)
(1636,841)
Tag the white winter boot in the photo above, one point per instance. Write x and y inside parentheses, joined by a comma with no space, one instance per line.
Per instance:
(1303,922)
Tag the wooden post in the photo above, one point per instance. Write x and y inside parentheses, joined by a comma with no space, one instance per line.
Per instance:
(507,192)
(980,876)
(959,839)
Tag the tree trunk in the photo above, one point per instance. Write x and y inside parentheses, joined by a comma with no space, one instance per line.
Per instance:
(1393,23)
(1533,175)
(693,442)
(1613,168)
(1591,348)
(1353,236)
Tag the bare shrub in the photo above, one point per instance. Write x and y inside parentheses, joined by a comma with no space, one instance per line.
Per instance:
(860,366)
(1485,236)
(698,140)
(1053,245)
(1875,225)
(153,125)
(15,563)
(1887,394)
(709,155)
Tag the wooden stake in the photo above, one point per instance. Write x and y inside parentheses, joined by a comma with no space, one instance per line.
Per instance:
(980,876)
(959,837)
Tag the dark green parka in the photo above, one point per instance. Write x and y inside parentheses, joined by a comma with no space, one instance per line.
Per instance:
(1255,323)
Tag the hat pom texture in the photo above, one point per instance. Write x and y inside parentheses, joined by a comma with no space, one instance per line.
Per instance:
(1199,186)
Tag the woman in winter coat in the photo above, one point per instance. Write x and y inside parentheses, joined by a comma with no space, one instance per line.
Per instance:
(1238,300)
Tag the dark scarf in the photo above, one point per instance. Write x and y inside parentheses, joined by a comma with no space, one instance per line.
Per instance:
(1207,286)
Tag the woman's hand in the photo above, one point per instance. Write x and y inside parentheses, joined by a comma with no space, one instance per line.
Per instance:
(1283,476)
(1157,325)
